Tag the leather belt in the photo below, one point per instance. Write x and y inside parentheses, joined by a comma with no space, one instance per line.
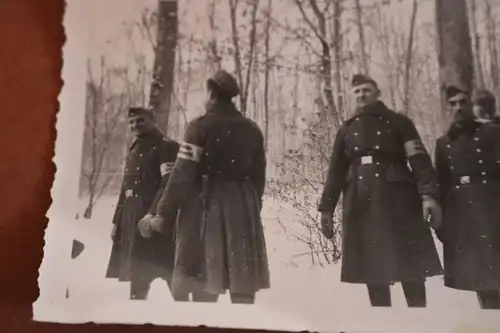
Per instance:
(371,159)
(130,193)
(471,179)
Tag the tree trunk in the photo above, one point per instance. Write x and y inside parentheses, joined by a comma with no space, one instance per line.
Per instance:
(164,63)
(479,76)
(454,50)
(337,44)
(492,48)
(267,69)
(409,60)
(361,33)
(212,48)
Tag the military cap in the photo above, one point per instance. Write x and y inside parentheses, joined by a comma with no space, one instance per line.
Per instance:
(225,83)
(484,98)
(452,91)
(137,111)
(358,79)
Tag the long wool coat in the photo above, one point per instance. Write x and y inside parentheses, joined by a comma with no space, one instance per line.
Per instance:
(469,178)
(218,183)
(149,164)
(385,238)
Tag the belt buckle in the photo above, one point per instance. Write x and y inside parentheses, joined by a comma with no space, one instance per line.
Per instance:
(129,193)
(464,180)
(366,160)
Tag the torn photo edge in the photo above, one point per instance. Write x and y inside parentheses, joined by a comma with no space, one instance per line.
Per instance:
(52,306)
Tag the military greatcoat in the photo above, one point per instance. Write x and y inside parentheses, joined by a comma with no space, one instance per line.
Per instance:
(149,163)
(469,181)
(385,238)
(218,184)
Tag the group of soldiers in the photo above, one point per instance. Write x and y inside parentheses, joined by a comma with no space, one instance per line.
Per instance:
(393,196)
(189,211)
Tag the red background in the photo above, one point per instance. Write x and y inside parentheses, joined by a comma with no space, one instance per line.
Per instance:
(31,36)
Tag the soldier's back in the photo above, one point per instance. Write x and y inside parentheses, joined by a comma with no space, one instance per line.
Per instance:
(231,143)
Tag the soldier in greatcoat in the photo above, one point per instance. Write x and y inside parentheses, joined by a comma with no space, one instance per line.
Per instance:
(467,163)
(150,161)
(385,205)
(218,185)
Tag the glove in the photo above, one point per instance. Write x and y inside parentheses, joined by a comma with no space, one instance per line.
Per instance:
(432,212)
(157,223)
(144,226)
(327,225)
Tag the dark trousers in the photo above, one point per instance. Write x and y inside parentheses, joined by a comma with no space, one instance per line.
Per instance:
(202,297)
(489,299)
(415,293)
(139,288)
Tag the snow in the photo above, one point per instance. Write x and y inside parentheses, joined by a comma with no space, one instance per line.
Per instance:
(302,296)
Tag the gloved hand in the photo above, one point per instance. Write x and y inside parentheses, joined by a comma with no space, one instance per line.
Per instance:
(432,212)
(144,226)
(327,225)
(157,223)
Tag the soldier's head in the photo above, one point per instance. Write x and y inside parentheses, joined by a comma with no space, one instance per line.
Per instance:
(364,89)
(458,103)
(483,104)
(222,86)
(141,120)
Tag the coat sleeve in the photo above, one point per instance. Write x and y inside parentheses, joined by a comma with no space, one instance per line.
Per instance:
(119,206)
(259,170)
(184,173)
(418,157)
(444,179)
(337,174)
(166,153)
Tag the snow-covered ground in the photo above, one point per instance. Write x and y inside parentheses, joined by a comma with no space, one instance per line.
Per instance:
(306,297)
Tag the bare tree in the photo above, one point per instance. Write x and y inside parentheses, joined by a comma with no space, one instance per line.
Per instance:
(361,33)
(164,63)
(409,59)
(326,58)
(102,118)
(479,76)
(267,69)
(243,77)
(492,47)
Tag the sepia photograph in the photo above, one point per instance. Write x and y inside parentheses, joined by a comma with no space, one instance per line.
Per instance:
(319,165)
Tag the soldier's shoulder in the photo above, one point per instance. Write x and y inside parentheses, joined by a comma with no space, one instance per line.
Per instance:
(253,125)
(169,142)
(402,117)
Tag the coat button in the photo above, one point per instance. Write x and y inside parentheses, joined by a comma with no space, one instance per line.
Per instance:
(360,177)
(483,173)
(376,175)
(377,147)
(448,146)
(356,148)
(484,181)
(478,150)
(379,133)
(476,139)
(480,161)
(356,133)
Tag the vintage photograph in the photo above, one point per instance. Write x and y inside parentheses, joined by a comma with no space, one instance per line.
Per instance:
(322,165)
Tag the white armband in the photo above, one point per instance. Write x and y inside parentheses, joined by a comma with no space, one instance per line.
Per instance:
(167,168)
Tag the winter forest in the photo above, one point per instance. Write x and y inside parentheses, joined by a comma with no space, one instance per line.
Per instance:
(293,60)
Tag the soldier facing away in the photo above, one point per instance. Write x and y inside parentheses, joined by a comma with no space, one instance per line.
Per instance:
(484,105)
(150,161)
(218,185)
(467,158)
(385,205)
